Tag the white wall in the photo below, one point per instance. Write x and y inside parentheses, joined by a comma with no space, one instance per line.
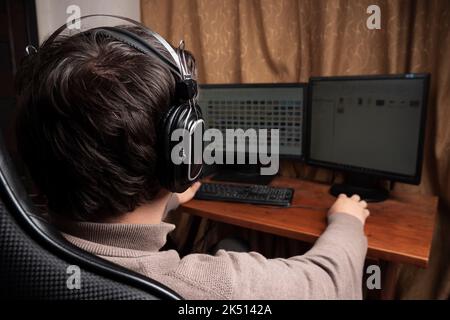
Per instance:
(51,14)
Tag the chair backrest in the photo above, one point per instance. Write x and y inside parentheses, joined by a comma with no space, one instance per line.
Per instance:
(36,262)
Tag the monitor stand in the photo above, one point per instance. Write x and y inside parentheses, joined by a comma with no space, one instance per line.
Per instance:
(248,174)
(367,187)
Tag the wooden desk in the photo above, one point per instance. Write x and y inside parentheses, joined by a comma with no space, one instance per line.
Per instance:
(399,230)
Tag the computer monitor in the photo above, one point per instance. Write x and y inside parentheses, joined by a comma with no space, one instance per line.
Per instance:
(256,106)
(370,127)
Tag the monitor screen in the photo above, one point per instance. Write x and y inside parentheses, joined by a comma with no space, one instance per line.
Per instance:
(274,106)
(371,123)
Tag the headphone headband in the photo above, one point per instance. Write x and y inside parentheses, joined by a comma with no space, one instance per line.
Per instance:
(137,43)
(175,66)
(186,88)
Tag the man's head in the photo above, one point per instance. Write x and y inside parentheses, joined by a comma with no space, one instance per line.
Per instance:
(87,123)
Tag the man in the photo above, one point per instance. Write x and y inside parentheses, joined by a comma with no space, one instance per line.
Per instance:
(89,106)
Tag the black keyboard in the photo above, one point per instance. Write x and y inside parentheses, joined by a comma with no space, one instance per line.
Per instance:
(255,194)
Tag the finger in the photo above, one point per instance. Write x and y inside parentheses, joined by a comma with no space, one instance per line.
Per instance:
(367,213)
(363,204)
(355,197)
(197,184)
(194,188)
(342,196)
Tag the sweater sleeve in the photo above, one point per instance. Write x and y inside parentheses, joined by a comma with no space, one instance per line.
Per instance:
(332,269)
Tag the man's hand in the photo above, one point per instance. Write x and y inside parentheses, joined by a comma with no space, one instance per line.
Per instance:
(352,206)
(177,199)
(188,194)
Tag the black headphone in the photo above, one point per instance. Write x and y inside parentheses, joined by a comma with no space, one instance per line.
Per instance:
(184,115)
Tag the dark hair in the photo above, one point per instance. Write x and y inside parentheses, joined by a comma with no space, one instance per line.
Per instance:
(89,108)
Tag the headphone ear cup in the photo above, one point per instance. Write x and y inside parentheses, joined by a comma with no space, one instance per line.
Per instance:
(179,177)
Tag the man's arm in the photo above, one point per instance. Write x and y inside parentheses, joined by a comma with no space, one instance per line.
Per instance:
(332,269)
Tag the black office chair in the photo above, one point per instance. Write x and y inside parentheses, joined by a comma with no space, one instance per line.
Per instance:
(34,257)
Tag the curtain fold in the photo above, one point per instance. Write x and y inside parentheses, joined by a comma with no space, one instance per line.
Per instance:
(252,41)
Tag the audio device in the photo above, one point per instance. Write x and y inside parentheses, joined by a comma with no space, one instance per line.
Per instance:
(184,113)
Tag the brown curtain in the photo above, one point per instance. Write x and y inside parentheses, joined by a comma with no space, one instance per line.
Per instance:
(291,40)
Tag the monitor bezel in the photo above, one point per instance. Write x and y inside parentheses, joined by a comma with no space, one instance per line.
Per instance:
(302,85)
(410,179)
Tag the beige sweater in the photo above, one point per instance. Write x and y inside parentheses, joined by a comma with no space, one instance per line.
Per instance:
(332,269)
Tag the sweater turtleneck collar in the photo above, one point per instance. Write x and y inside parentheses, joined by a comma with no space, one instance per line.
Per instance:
(138,237)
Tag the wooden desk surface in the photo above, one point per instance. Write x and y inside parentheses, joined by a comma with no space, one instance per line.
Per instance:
(399,229)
